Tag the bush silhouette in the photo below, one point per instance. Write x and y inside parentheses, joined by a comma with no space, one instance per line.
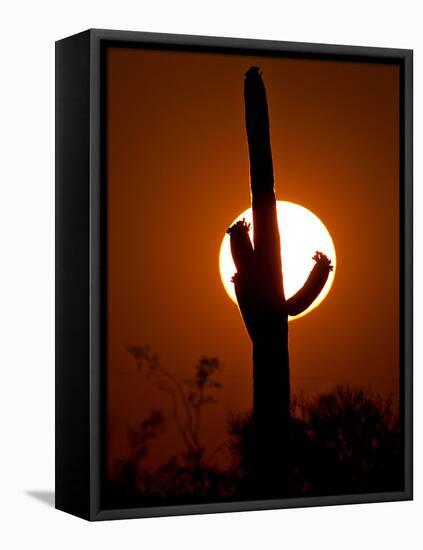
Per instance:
(357,441)
(341,442)
(346,441)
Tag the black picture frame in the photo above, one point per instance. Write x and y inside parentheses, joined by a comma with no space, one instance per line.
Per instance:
(81,254)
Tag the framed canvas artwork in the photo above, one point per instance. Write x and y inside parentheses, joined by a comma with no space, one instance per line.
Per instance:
(233,274)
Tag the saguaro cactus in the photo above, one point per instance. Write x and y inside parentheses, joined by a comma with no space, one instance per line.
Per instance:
(258,280)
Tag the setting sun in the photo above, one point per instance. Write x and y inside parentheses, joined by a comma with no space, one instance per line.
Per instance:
(302,234)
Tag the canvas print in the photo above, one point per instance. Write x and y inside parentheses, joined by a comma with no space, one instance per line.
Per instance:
(253,278)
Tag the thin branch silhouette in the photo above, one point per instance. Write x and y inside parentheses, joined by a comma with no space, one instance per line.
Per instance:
(187,396)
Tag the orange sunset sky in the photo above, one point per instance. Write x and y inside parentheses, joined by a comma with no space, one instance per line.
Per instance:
(178,174)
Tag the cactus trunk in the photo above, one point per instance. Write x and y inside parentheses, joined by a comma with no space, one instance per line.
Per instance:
(259,288)
(270,338)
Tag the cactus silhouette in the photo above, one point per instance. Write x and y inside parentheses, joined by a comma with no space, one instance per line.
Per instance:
(258,279)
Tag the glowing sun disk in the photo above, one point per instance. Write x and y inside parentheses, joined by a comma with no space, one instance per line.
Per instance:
(302,233)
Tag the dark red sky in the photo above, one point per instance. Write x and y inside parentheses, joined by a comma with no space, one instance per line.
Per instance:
(177,168)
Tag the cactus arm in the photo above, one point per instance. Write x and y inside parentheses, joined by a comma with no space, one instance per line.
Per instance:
(243,256)
(314,284)
(266,231)
(241,247)
(245,295)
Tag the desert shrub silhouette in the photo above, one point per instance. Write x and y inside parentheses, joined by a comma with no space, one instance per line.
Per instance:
(346,441)
(193,476)
(341,442)
(356,441)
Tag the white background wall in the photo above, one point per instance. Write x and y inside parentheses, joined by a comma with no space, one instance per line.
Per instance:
(28,32)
